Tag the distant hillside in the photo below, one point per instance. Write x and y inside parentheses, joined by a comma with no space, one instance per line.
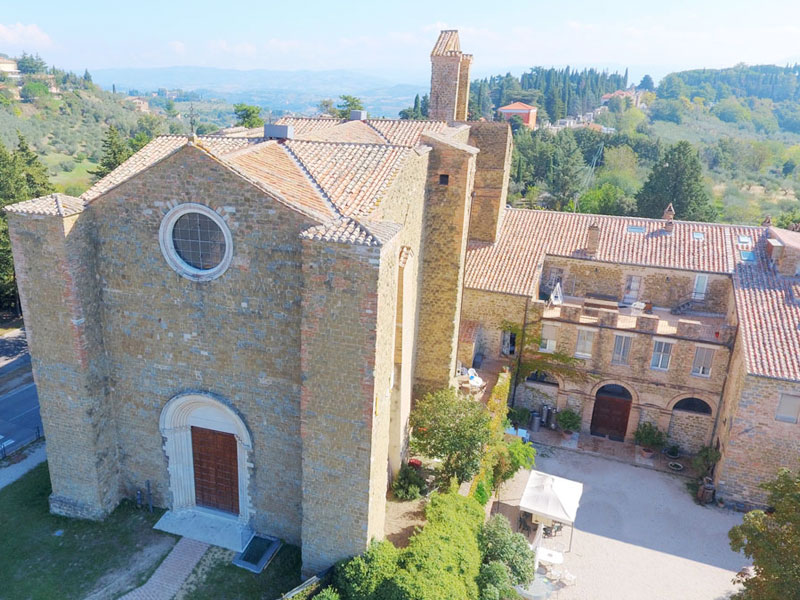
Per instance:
(289,91)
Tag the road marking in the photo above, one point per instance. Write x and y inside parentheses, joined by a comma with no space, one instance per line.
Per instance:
(17,391)
(25,413)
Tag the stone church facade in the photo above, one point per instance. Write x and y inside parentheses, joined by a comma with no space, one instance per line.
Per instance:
(243,320)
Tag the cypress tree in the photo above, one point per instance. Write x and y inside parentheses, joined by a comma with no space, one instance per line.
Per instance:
(115,152)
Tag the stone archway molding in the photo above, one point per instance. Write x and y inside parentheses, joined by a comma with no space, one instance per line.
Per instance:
(198,409)
(707,398)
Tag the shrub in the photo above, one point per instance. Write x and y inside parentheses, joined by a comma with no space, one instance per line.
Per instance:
(519,415)
(649,436)
(494,582)
(67,165)
(408,484)
(569,420)
(482,495)
(328,594)
(361,576)
(499,543)
(705,459)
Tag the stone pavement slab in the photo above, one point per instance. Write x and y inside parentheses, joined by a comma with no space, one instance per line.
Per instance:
(170,574)
(11,472)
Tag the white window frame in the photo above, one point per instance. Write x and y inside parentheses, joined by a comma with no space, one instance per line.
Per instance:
(664,351)
(580,352)
(627,354)
(707,362)
(180,266)
(788,410)
(550,346)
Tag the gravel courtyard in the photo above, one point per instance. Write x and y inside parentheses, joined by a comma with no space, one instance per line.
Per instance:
(638,535)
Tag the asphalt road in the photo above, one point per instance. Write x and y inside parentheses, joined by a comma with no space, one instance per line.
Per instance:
(19,417)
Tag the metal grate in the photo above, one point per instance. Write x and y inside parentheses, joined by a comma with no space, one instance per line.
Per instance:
(199,241)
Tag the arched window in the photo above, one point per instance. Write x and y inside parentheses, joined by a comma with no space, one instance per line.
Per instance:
(614,391)
(541,377)
(694,405)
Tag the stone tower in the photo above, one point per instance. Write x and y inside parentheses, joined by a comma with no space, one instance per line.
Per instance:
(449,79)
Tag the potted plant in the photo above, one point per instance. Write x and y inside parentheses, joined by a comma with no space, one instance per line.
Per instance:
(649,437)
(673,451)
(569,421)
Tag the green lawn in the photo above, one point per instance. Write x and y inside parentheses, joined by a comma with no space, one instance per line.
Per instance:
(215,577)
(37,563)
(78,178)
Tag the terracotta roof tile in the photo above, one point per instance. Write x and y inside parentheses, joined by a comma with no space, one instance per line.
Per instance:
(399,132)
(447,43)
(517,106)
(406,132)
(353,176)
(54,204)
(350,231)
(350,131)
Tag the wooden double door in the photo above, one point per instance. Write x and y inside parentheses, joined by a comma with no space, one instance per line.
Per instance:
(610,416)
(216,470)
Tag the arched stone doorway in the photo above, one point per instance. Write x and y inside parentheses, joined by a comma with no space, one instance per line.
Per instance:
(612,407)
(690,424)
(207,446)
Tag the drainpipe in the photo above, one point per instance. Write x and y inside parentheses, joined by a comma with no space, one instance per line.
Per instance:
(521,350)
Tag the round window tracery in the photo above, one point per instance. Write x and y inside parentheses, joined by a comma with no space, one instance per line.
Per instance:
(196,242)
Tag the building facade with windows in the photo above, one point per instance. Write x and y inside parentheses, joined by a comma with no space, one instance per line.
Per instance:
(694,327)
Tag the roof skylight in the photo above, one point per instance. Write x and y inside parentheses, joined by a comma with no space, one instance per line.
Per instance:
(748,255)
(699,236)
(635,229)
(745,239)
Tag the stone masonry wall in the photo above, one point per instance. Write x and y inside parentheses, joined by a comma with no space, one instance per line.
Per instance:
(445,72)
(446,221)
(663,287)
(55,268)
(757,444)
(344,397)
(492,168)
(691,431)
(236,337)
(492,310)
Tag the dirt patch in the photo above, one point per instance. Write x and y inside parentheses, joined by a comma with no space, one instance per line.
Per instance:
(213,557)
(403,519)
(138,570)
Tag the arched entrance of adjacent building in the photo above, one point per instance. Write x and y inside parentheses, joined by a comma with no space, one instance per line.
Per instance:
(612,406)
(207,445)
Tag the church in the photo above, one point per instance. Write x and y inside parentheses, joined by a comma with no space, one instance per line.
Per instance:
(242,321)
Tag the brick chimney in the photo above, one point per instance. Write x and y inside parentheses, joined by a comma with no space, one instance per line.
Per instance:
(669,215)
(592,239)
(767,222)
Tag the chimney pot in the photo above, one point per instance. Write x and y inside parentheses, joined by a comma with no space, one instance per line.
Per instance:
(669,212)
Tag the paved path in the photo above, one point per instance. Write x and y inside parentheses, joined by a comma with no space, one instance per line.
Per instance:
(170,574)
(10,473)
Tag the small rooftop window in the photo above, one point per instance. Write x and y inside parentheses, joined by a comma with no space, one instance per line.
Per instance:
(635,229)
(748,255)
(745,239)
(699,236)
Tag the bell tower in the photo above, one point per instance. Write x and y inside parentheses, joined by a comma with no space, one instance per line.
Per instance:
(449,79)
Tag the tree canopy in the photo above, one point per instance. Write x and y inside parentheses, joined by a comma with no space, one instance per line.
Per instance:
(772,540)
(115,152)
(676,178)
(247,115)
(348,103)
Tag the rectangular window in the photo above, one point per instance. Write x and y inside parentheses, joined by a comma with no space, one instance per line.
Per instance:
(509,343)
(661,354)
(788,409)
(585,340)
(549,335)
(622,349)
(444,179)
(632,285)
(703,357)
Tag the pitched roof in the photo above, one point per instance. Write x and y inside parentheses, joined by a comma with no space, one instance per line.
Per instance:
(517,106)
(768,304)
(353,176)
(447,43)
(350,231)
(348,131)
(400,132)
(53,204)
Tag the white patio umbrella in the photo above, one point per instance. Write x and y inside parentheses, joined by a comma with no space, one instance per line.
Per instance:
(553,498)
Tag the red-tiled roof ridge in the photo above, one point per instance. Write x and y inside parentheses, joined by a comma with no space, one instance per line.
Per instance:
(447,43)
(517,106)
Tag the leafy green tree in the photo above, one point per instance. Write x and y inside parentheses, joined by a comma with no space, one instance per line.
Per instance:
(494,582)
(668,110)
(348,103)
(87,76)
(676,178)
(516,123)
(672,87)
(788,219)
(731,111)
(247,115)
(607,199)
(498,543)
(772,540)
(452,427)
(169,108)
(115,152)
(35,181)
(34,89)
(646,84)
(512,457)
(566,175)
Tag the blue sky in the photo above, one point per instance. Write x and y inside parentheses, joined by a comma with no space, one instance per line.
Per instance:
(394,38)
